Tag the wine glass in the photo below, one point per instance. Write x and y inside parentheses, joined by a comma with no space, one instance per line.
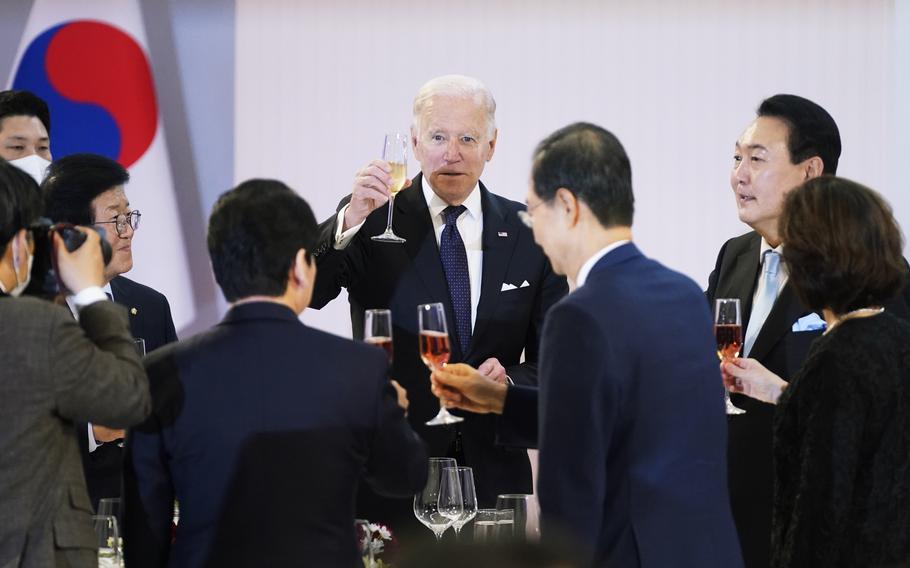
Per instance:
(395,152)
(427,502)
(108,540)
(434,350)
(451,500)
(728,330)
(377,330)
(468,496)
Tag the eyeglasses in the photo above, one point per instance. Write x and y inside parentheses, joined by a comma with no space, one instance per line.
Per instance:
(121,221)
(525,216)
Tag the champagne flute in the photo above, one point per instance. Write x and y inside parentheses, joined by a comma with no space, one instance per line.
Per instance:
(451,500)
(395,153)
(728,330)
(426,503)
(377,330)
(434,350)
(468,496)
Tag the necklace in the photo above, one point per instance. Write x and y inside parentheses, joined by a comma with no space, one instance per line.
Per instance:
(860,313)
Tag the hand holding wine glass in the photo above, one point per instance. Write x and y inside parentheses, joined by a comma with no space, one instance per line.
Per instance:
(434,350)
(728,331)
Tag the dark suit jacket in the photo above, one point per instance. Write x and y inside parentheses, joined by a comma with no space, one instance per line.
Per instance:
(152,322)
(632,426)
(262,428)
(782,351)
(399,277)
(54,371)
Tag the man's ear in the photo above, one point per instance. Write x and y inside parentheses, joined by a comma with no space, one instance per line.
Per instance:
(304,269)
(567,201)
(814,167)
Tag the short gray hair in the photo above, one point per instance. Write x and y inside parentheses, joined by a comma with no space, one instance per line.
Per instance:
(459,86)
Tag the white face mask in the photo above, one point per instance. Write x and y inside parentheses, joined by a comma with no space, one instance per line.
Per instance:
(33,165)
(20,285)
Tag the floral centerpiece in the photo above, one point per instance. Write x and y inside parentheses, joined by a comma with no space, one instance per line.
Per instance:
(375,540)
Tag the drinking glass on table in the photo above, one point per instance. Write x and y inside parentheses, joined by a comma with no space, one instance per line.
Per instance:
(427,502)
(486,525)
(434,350)
(728,330)
(525,516)
(468,498)
(108,539)
(394,152)
(377,330)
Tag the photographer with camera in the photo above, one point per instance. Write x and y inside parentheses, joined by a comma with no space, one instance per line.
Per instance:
(54,372)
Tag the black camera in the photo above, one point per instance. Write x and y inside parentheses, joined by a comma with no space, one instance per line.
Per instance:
(44,282)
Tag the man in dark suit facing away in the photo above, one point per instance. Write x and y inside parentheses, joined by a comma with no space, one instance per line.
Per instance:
(465,248)
(792,140)
(88,189)
(262,428)
(631,432)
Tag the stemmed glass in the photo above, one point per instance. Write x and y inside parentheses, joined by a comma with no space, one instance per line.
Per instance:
(436,506)
(377,330)
(728,330)
(434,350)
(394,151)
(468,497)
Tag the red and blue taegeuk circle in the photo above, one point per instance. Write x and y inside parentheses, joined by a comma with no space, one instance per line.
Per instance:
(97,81)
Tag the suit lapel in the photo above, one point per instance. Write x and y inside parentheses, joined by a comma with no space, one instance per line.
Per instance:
(742,278)
(123,295)
(786,310)
(500,235)
(413,221)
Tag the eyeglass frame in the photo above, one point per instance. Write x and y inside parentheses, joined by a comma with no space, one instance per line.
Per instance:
(525,215)
(120,226)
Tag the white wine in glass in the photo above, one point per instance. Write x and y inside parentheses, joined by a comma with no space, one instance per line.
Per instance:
(728,330)
(394,152)
(434,350)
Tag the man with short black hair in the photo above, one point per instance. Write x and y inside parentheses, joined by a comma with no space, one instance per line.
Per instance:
(263,428)
(632,443)
(89,189)
(790,141)
(25,127)
(55,372)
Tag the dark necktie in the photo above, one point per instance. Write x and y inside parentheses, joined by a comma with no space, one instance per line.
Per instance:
(455,265)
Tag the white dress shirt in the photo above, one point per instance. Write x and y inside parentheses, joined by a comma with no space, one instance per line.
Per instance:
(470,226)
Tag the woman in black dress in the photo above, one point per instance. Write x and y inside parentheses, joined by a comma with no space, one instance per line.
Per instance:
(842,425)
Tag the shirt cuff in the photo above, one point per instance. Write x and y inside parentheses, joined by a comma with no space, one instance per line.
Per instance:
(342,239)
(92,443)
(89,296)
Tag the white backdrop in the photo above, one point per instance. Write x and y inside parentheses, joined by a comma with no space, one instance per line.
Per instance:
(318,83)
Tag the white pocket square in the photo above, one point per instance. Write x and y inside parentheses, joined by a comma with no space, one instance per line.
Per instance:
(524,284)
(506,287)
(811,322)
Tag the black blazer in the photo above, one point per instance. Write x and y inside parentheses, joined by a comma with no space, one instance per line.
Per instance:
(399,277)
(262,428)
(782,351)
(150,319)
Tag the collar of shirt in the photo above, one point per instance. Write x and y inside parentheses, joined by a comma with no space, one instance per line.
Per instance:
(470,225)
(585,269)
(71,303)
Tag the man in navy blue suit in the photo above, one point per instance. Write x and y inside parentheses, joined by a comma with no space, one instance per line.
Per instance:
(632,432)
(89,189)
(261,427)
